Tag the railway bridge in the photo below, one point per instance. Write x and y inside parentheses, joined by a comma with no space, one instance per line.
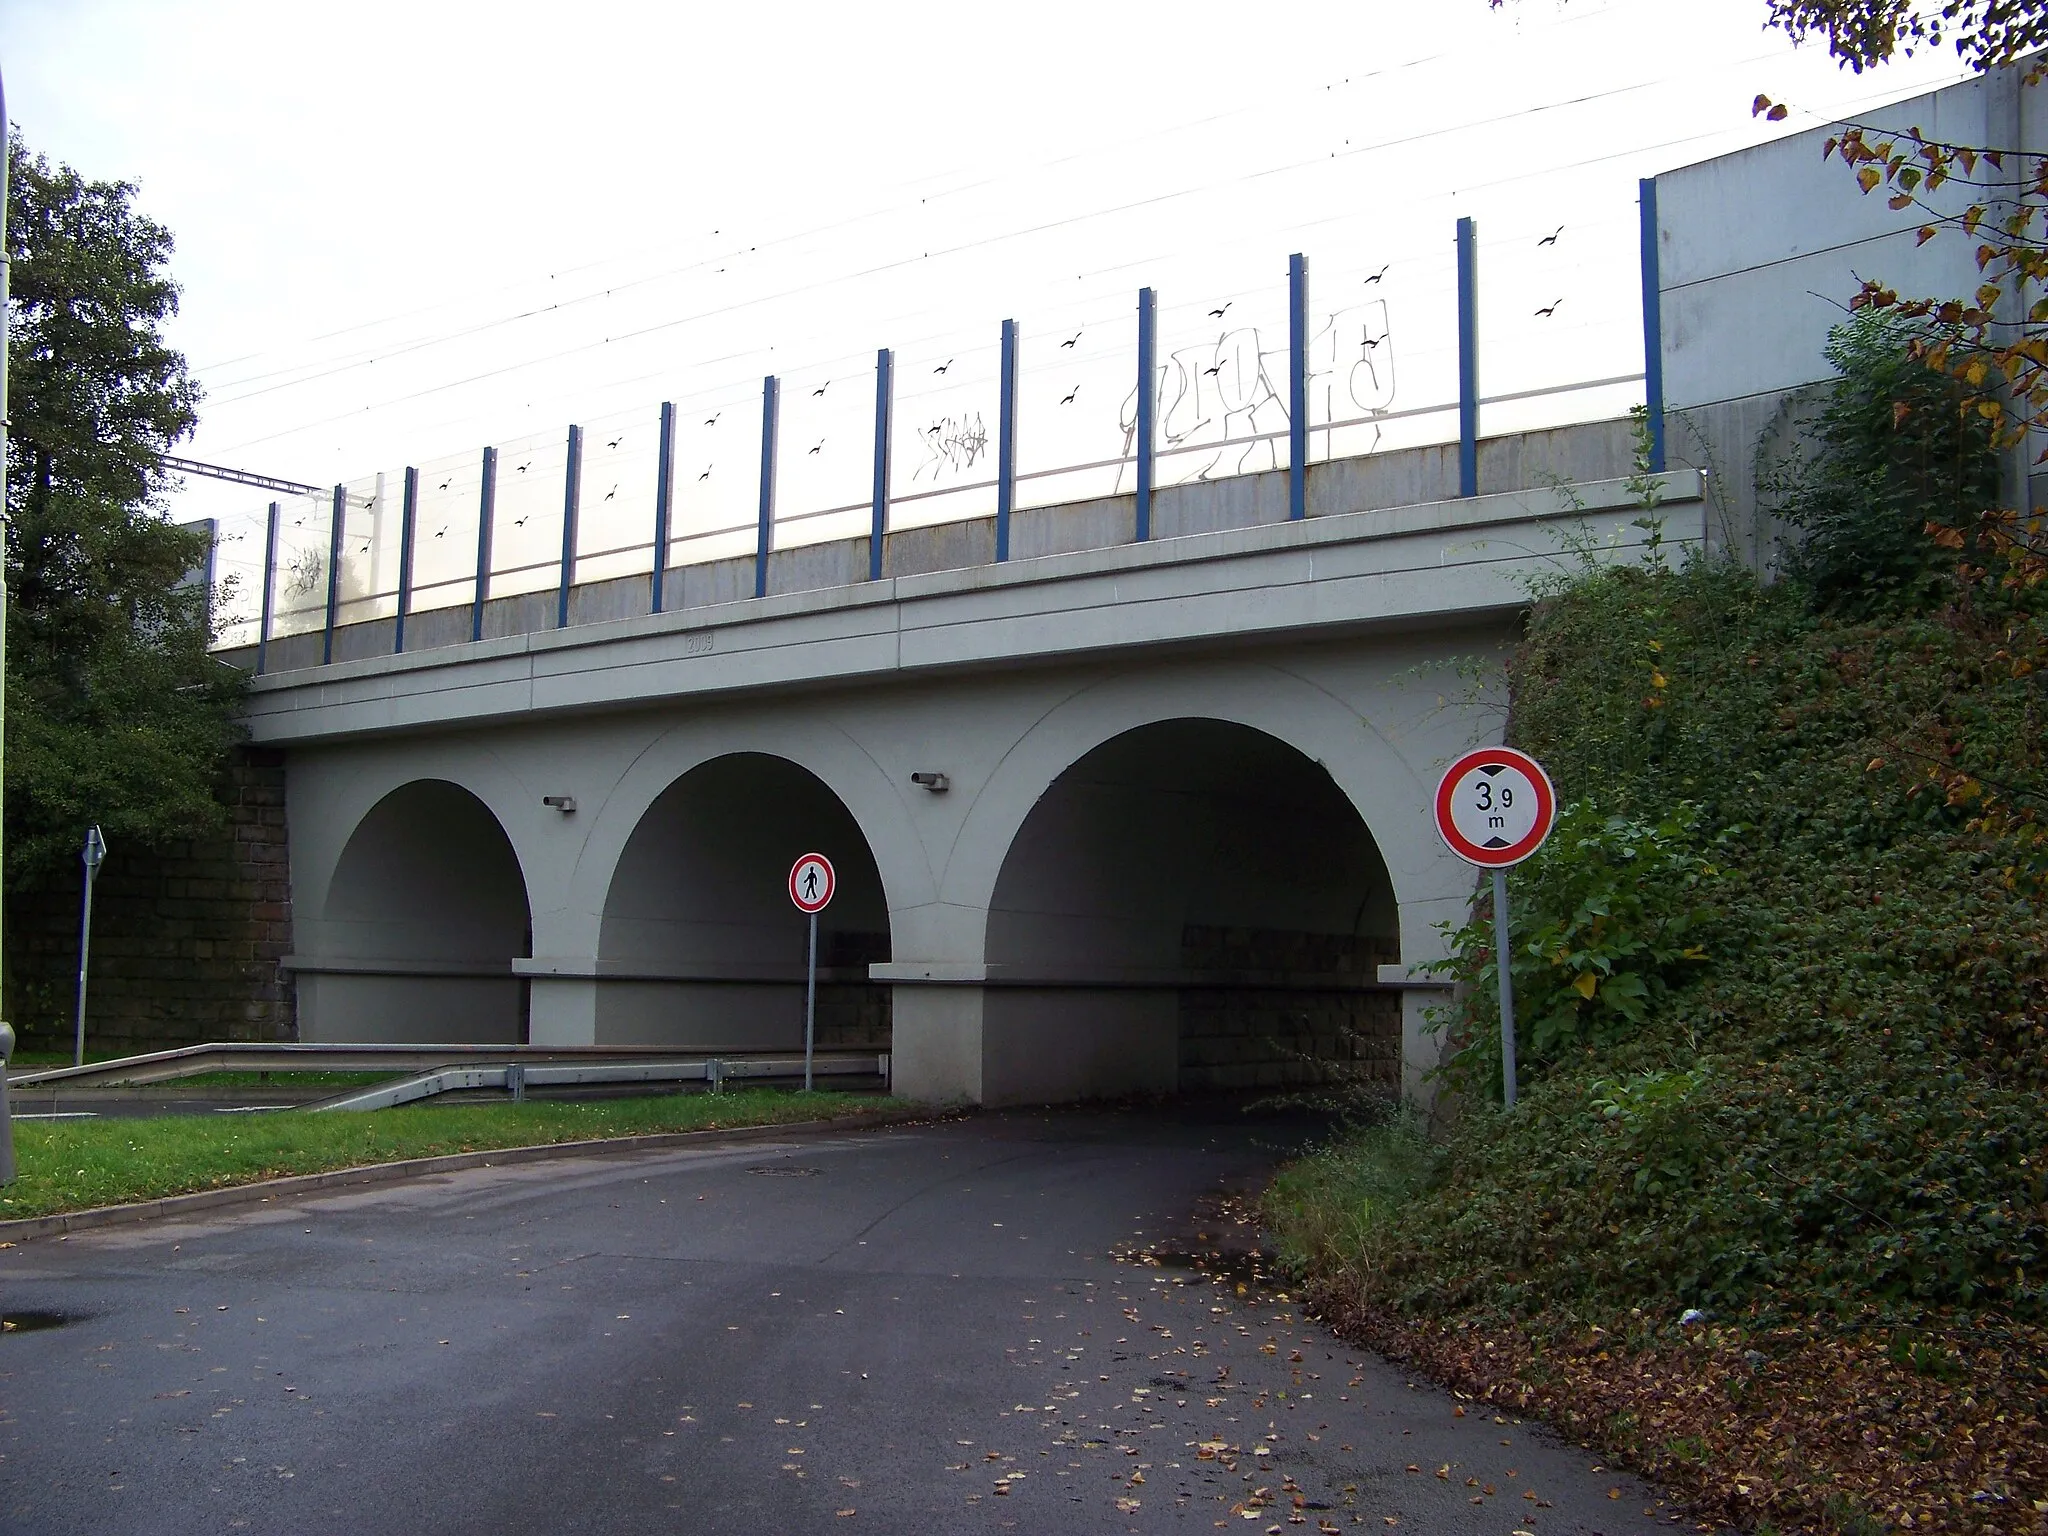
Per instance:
(1108,816)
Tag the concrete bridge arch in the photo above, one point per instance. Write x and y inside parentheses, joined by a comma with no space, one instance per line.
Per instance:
(422,913)
(1178,879)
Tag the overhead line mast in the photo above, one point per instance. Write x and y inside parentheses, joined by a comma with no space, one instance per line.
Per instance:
(240,477)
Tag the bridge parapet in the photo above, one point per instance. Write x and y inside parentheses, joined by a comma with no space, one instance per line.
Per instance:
(1399,567)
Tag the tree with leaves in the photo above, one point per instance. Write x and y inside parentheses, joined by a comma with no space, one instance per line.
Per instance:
(1863,33)
(1993,342)
(116,713)
(1993,346)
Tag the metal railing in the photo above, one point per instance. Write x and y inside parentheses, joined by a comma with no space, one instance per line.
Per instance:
(198,1060)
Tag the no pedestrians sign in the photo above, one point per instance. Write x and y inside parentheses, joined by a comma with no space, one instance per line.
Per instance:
(810,883)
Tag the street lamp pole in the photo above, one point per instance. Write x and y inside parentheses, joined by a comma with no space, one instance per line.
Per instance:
(6,1033)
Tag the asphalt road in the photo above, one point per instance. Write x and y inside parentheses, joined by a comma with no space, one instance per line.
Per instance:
(936,1328)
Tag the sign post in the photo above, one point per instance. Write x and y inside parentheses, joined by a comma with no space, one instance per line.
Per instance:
(810,886)
(1494,807)
(93,854)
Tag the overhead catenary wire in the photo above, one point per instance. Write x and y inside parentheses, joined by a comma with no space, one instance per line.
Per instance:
(906,261)
(1374,147)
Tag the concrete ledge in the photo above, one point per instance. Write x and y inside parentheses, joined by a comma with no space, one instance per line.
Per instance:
(1137,978)
(262,1191)
(1402,977)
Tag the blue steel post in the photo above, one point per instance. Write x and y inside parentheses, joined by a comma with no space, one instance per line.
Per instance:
(1006,441)
(771,412)
(664,503)
(486,515)
(336,525)
(572,497)
(1148,383)
(885,424)
(1297,387)
(269,584)
(1653,327)
(1468,358)
(408,526)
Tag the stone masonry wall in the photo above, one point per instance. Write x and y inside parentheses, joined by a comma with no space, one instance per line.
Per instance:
(1281,1009)
(186,938)
(852,1016)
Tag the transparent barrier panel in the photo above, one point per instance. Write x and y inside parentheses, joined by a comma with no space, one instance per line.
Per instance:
(1221,369)
(943,460)
(1560,304)
(299,582)
(238,575)
(1077,403)
(369,548)
(718,475)
(825,481)
(444,547)
(1383,350)
(615,513)
(526,527)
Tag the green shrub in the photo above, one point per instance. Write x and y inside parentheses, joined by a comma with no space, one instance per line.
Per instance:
(1605,920)
(1893,448)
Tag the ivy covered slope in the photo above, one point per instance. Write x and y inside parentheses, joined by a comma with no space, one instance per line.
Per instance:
(1787,1013)
(1781,982)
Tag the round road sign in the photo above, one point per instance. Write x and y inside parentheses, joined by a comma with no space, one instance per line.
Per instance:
(810,882)
(1495,806)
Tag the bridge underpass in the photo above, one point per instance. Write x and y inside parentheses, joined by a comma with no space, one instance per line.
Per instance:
(425,914)
(699,943)
(1182,839)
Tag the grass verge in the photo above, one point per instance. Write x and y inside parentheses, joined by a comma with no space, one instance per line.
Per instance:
(76,1165)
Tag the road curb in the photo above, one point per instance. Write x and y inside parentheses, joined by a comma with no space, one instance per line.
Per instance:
(64,1223)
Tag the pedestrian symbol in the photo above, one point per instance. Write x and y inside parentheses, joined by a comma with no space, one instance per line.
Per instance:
(811,882)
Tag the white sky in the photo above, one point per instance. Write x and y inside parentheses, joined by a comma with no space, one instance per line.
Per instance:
(427,226)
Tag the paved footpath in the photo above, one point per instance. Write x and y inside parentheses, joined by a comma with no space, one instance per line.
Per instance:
(935,1328)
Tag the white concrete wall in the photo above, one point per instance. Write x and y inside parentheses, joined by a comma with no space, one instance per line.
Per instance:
(1761,251)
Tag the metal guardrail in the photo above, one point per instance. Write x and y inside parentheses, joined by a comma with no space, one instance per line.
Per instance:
(195,1060)
(516,1077)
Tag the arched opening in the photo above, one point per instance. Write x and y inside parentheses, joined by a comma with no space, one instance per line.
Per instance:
(426,913)
(1192,906)
(700,945)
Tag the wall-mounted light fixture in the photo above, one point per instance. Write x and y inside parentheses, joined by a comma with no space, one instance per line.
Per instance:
(937,783)
(566,804)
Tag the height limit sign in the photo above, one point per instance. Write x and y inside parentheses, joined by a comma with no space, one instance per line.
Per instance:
(1494,807)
